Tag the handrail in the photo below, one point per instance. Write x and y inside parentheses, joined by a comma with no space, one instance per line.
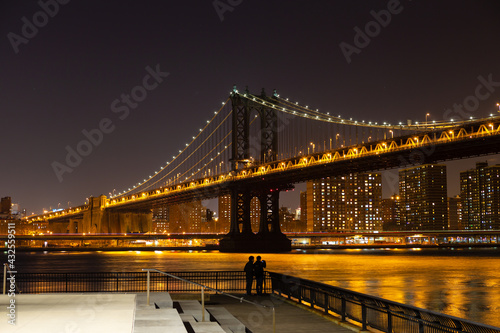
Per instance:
(5,268)
(203,287)
(321,295)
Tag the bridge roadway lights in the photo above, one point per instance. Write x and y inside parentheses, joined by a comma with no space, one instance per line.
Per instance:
(255,243)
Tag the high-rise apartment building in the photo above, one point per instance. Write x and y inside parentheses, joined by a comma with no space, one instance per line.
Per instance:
(255,214)
(303,210)
(343,203)
(160,219)
(480,197)
(390,213)
(423,198)
(224,208)
(185,217)
(455,213)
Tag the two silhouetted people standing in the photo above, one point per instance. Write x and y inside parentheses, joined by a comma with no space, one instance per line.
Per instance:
(254,269)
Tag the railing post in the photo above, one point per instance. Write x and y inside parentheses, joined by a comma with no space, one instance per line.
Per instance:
(4,278)
(312,297)
(147,286)
(344,308)
(363,316)
(274,320)
(389,321)
(202,304)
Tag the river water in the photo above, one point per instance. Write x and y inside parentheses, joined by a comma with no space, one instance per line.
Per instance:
(464,282)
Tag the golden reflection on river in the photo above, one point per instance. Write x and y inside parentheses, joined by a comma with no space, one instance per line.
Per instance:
(459,283)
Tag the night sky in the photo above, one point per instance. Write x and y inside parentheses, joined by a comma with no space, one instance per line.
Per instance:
(62,77)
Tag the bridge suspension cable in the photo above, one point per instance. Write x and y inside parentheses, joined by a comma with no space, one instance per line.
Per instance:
(286,106)
(207,147)
(300,132)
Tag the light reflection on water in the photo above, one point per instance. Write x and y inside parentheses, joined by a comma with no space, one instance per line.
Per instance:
(462,283)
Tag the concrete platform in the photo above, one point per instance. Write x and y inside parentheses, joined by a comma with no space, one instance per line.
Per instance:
(92,313)
(289,318)
(96,313)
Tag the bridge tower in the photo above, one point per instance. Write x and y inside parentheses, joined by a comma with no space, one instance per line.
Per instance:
(269,237)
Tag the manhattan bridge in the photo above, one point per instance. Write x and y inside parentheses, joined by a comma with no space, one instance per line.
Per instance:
(260,145)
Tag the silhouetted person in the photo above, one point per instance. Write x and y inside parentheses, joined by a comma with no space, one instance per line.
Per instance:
(249,274)
(258,269)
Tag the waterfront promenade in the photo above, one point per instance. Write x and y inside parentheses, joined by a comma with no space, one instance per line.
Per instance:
(104,313)
(95,301)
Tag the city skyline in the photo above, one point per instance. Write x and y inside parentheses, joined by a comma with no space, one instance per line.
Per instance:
(68,74)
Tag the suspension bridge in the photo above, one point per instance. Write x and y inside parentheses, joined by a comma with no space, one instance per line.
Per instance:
(258,146)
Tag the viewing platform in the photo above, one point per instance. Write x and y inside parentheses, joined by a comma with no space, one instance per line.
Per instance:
(106,313)
(212,301)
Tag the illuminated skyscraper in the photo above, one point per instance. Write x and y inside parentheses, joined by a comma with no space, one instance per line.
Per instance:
(224,213)
(390,213)
(345,203)
(303,210)
(455,213)
(255,214)
(423,198)
(480,197)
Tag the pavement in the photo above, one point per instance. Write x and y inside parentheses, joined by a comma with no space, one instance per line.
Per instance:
(289,318)
(113,312)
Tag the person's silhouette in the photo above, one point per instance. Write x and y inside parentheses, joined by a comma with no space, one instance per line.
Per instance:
(258,269)
(249,271)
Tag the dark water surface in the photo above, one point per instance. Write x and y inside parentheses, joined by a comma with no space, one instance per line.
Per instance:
(464,283)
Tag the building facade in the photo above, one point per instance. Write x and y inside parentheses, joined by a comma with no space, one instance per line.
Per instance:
(224,208)
(423,198)
(455,213)
(390,214)
(188,217)
(480,197)
(344,203)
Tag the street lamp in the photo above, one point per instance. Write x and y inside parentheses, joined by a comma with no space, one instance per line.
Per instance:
(392,133)
(313,145)
(426,115)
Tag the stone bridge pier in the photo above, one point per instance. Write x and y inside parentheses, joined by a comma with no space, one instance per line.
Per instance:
(99,219)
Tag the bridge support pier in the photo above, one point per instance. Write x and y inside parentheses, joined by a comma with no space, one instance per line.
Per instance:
(240,238)
(100,220)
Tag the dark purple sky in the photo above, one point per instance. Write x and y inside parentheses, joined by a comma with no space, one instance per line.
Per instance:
(62,79)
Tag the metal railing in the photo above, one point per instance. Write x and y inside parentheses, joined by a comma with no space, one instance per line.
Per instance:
(370,311)
(203,287)
(365,310)
(12,282)
(226,281)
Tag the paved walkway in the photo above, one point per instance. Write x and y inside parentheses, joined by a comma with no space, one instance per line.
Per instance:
(289,318)
(103,313)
